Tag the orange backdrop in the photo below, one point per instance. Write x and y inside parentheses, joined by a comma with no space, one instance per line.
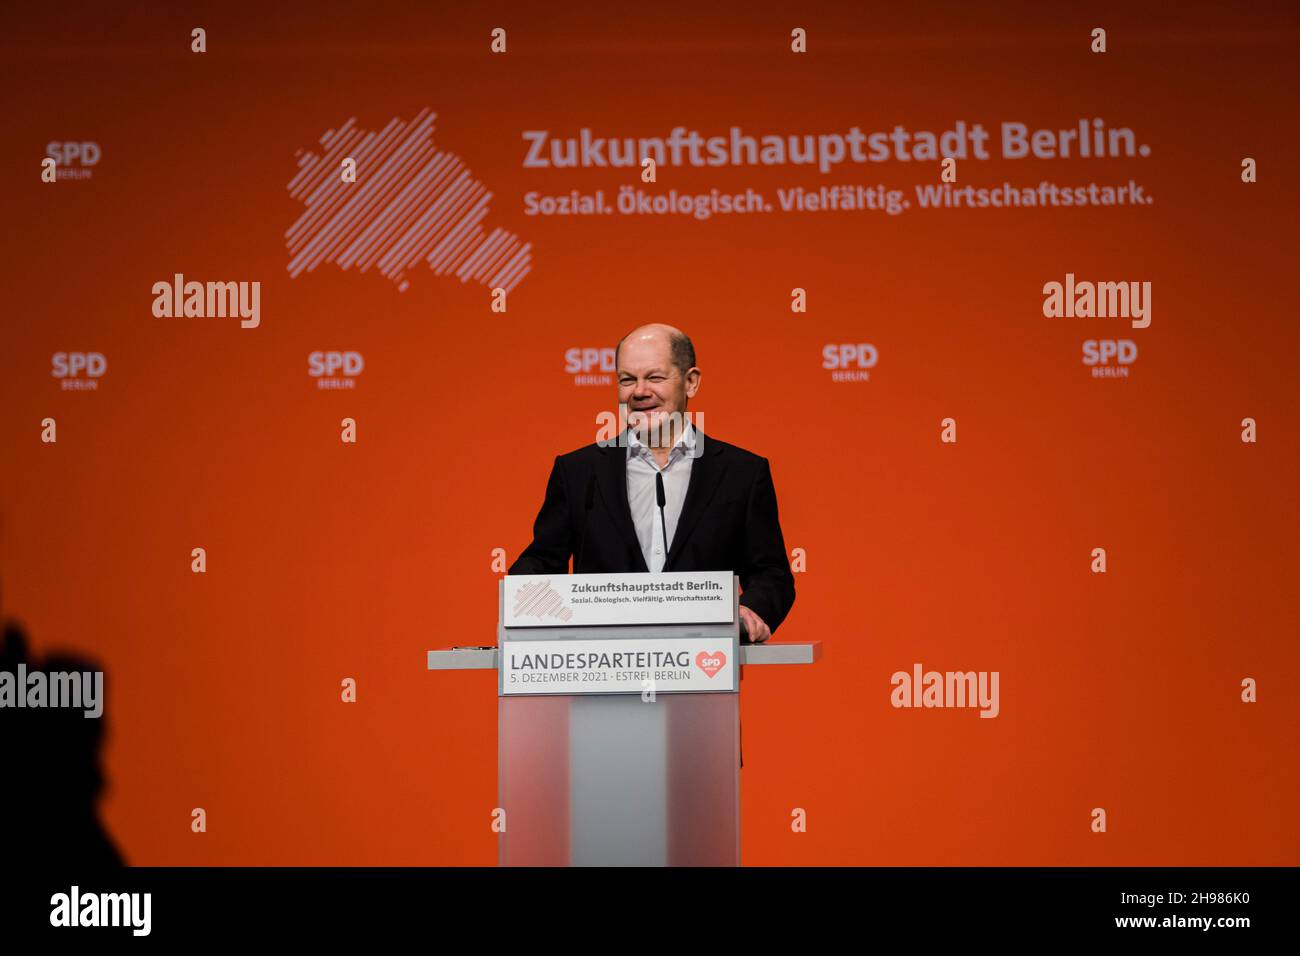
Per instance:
(325,560)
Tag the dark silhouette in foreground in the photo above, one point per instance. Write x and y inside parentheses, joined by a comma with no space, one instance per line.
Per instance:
(52,776)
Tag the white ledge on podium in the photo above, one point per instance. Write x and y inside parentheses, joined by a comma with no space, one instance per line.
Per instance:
(769,652)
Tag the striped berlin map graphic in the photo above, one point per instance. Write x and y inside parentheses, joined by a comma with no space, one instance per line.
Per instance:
(411,202)
(538,599)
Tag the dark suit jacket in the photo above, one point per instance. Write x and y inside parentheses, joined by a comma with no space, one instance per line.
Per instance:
(728,523)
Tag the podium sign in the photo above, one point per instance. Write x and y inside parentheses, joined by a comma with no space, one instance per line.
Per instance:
(578,600)
(619,666)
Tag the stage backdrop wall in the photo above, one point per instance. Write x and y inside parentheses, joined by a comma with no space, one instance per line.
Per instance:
(926,321)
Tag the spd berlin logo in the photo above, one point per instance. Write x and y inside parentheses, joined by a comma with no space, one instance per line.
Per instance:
(710,663)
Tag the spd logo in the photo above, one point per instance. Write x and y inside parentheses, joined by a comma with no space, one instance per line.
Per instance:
(1109,358)
(711,663)
(79,371)
(335,369)
(590,366)
(849,362)
(73,160)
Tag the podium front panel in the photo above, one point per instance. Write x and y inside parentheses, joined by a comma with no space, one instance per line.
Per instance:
(615,780)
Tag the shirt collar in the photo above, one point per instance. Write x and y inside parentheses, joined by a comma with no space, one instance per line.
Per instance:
(685,441)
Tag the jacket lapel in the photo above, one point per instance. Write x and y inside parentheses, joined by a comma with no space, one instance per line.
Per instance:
(613,488)
(706,474)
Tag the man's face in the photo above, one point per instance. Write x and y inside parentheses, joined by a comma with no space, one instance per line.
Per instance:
(650,385)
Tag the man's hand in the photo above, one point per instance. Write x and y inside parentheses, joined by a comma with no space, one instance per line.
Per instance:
(758,631)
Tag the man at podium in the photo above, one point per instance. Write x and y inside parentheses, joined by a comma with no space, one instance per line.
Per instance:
(663,496)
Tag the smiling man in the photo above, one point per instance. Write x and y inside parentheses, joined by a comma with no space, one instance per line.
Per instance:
(663,496)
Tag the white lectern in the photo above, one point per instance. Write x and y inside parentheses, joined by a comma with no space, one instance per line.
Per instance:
(619,717)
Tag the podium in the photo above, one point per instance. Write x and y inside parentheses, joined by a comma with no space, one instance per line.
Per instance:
(618,716)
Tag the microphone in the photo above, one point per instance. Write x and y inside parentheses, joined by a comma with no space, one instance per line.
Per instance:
(663,500)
